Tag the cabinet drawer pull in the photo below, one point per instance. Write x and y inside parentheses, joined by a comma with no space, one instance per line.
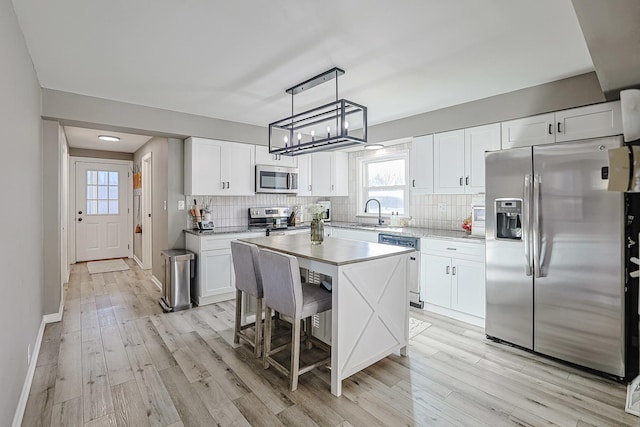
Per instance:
(451,249)
(550,129)
(559,127)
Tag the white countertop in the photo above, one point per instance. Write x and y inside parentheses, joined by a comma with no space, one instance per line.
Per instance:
(431,233)
(332,251)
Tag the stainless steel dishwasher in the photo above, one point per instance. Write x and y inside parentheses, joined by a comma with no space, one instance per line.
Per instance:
(414,264)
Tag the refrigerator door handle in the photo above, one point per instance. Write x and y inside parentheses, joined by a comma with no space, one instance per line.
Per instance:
(537,268)
(526,227)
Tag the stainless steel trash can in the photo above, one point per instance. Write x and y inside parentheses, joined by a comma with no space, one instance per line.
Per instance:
(178,275)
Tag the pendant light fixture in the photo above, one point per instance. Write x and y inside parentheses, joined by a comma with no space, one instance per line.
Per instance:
(338,124)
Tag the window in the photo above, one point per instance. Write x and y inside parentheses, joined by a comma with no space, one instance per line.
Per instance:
(384,179)
(102,193)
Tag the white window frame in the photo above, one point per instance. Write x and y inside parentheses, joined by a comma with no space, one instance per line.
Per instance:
(381,157)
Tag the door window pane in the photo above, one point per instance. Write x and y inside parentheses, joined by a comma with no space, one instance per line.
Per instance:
(102,192)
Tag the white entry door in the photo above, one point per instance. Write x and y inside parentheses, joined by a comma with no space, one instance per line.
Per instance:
(102,210)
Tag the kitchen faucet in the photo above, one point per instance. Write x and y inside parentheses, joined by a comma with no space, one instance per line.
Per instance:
(366,206)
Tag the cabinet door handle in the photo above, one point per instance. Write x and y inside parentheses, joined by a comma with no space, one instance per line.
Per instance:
(331,187)
(413,183)
(550,129)
(223,185)
(228,185)
(559,131)
(460,181)
(448,268)
(453,271)
(309,187)
(466,181)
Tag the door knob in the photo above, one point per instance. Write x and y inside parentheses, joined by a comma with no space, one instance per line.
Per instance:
(79,212)
(79,219)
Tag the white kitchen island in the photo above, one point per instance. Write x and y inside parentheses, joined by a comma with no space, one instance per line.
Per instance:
(370,297)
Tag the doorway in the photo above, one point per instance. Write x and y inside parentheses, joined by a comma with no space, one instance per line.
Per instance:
(146,202)
(103,219)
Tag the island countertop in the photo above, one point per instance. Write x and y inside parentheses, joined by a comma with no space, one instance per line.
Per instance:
(333,250)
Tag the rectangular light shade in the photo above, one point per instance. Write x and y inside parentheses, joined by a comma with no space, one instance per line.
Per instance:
(339,124)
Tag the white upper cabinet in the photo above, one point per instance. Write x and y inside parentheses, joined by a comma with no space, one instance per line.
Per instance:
(528,131)
(304,175)
(458,158)
(448,157)
(218,168)
(477,141)
(323,174)
(591,121)
(263,157)
(422,164)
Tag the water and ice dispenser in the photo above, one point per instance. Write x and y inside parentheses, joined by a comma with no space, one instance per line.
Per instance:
(509,219)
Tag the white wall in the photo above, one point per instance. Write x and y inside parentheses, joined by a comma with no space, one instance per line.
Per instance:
(21,251)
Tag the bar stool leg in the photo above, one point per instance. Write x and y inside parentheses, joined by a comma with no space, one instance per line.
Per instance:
(258,343)
(309,329)
(267,337)
(295,355)
(236,337)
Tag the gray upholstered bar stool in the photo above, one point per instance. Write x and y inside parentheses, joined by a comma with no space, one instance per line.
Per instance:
(246,265)
(284,292)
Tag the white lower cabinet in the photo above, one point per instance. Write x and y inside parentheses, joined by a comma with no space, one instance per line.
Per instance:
(214,278)
(453,279)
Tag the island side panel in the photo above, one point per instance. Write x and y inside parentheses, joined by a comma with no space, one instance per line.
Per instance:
(371,313)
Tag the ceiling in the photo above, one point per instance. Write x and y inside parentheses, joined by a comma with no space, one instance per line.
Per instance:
(233,60)
(88,139)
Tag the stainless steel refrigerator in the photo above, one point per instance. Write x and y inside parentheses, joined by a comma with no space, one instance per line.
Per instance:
(554,253)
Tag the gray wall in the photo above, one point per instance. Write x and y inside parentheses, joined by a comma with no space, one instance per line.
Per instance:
(100,154)
(567,93)
(21,253)
(52,145)
(79,110)
(85,111)
(175,192)
(167,178)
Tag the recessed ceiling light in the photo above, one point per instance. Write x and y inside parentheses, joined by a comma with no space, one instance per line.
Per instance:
(373,146)
(109,138)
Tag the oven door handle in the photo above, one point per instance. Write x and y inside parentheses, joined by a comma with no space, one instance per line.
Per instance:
(288,181)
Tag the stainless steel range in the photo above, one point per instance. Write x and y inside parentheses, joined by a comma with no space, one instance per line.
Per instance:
(269,218)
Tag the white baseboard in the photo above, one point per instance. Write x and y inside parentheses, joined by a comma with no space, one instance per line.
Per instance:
(464,317)
(157,282)
(26,388)
(135,258)
(54,317)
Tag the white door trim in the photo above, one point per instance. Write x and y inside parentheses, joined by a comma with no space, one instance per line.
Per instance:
(147,204)
(72,201)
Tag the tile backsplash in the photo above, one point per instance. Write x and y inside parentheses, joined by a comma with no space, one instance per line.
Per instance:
(231,211)
(441,211)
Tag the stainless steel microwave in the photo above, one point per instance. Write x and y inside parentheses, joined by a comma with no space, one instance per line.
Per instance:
(276,179)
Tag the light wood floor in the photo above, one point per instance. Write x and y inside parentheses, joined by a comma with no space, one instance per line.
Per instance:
(115,359)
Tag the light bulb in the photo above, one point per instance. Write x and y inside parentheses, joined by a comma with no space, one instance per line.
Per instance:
(299,137)
(346,124)
(286,139)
